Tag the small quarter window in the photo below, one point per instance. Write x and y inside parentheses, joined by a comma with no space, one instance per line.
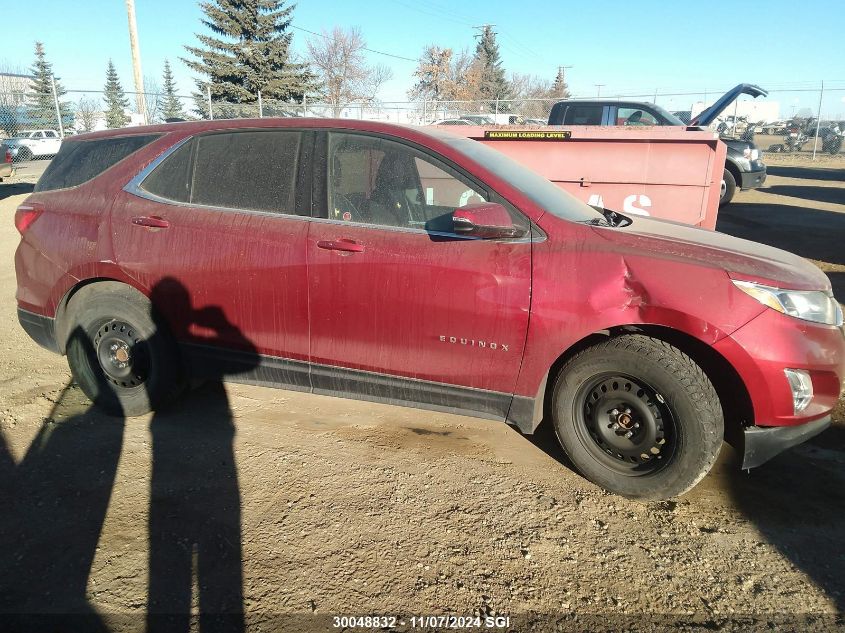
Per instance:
(171,179)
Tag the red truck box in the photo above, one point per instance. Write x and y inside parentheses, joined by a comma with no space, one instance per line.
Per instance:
(666,172)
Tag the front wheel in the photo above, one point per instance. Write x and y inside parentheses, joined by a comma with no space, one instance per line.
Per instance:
(24,154)
(119,355)
(728,189)
(638,417)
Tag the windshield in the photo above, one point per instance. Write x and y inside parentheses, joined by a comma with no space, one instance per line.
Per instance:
(673,120)
(23,134)
(541,191)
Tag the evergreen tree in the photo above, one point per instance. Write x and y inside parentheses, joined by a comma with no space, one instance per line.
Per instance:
(559,88)
(171,107)
(493,83)
(252,54)
(115,98)
(40,105)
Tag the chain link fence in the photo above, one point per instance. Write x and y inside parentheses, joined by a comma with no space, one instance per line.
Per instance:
(792,118)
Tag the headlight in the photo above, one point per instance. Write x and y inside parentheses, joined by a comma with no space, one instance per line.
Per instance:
(810,305)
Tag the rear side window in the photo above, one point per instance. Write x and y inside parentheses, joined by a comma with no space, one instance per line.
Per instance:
(583,115)
(80,161)
(252,170)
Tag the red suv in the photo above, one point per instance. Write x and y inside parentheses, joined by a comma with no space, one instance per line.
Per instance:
(413,267)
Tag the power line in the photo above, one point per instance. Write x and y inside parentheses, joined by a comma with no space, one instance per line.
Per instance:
(369,50)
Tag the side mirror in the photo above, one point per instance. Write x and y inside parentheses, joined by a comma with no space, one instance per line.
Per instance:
(486,220)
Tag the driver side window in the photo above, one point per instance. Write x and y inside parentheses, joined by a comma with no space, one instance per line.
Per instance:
(378,181)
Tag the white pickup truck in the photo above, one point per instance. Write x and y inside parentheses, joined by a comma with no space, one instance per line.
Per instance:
(28,144)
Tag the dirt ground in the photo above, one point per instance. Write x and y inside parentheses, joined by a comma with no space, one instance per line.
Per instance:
(297,507)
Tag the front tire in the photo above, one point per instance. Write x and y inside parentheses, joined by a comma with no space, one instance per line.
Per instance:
(638,417)
(728,189)
(119,355)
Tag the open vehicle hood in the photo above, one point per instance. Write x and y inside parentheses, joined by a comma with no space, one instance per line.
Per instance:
(709,115)
(739,258)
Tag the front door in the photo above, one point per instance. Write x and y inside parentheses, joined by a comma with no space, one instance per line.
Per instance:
(217,232)
(402,308)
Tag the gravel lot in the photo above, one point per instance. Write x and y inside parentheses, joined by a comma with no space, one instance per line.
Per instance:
(297,507)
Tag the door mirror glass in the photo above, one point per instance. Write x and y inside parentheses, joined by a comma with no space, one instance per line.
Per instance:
(486,220)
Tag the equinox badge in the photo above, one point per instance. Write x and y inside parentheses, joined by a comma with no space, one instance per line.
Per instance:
(473,343)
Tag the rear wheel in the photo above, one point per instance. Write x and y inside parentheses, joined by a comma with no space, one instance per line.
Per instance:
(119,356)
(728,189)
(638,417)
(24,153)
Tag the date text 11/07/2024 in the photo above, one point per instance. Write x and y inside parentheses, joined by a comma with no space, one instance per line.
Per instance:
(422,621)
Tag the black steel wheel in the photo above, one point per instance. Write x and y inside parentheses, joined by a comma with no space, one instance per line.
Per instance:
(626,423)
(120,355)
(638,417)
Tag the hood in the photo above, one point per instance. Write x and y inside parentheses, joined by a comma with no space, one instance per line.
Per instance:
(709,115)
(740,259)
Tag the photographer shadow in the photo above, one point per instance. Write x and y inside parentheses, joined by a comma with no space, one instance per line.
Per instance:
(195,506)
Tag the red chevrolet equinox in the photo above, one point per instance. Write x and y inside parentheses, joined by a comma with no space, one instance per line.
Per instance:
(412,267)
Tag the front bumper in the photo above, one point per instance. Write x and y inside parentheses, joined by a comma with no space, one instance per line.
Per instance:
(762,443)
(753,179)
(761,349)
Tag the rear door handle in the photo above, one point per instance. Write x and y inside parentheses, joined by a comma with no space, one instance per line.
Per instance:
(153,221)
(342,244)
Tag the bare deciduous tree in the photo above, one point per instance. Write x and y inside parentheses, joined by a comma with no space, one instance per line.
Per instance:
(535,93)
(152,100)
(444,76)
(88,111)
(13,87)
(339,61)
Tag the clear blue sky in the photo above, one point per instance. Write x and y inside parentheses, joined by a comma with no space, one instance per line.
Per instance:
(629,46)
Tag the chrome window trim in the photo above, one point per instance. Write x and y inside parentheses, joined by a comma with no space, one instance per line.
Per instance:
(134,185)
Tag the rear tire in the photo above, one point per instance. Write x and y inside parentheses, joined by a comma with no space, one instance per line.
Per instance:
(638,417)
(120,357)
(24,153)
(728,188)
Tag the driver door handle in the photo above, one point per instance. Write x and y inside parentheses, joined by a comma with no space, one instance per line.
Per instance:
(152,221)
(343,244)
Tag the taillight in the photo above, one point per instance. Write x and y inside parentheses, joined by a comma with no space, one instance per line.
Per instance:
(26,214)
(8,156)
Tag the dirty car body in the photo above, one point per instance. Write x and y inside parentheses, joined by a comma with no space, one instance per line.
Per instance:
(413,267)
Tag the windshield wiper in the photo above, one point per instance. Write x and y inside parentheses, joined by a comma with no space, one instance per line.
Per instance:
(611,219)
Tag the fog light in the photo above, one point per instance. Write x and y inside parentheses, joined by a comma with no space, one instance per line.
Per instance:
(802,388)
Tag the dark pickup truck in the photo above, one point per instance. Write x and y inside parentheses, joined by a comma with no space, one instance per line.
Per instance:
(744,167)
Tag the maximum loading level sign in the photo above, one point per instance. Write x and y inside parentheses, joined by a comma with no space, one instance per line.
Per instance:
(527,135)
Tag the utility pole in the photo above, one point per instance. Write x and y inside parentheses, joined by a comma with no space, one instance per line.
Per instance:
(140,102)
(481,28)
(598,92)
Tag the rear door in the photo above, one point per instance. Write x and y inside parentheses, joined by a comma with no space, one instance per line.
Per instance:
(216,229)
(401,307)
